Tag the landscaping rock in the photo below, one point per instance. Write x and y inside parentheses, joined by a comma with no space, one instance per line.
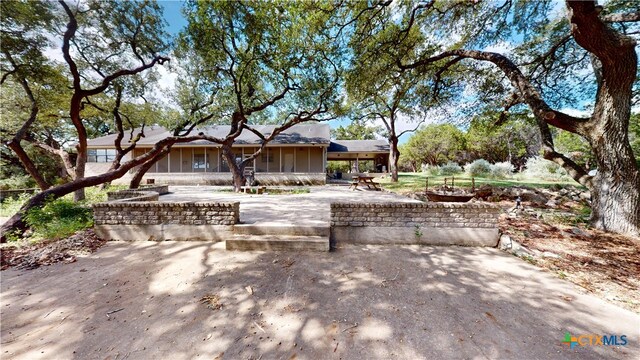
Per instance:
(505,242)
(533,197)
(580,232)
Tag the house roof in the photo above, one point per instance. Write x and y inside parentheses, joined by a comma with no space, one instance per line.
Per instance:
(358,146)
(297,134)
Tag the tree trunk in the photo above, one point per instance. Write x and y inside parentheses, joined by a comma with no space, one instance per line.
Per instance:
(615,194)
(237,170)
(28,164)
(16,224)
(142,170)
(394,156)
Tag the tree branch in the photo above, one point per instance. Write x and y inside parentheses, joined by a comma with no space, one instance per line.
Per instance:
(530,95)
(624,17)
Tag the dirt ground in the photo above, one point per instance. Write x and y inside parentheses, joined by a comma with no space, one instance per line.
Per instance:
(606,265)
(185,300)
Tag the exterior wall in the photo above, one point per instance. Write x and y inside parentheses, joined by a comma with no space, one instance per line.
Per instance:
(276,166)
(469,224)
(226,179)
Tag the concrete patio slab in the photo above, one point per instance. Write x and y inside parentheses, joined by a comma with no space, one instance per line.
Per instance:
(142,301)
(312,209)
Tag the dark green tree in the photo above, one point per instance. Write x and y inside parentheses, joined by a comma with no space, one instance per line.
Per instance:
(258,62)
(356,130)
(436,145)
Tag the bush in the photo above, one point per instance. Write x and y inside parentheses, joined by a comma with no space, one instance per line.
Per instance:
(430,170)
(450,168)
(17,182)
(540,168)
(58,219)
(501,170)
(11,206)
(479,168)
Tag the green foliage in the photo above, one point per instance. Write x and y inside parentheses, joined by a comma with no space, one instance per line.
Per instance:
(17,182)
(356,130)
(10,206)
(479,168)
(435,145)
(450,168)
(502,170)
(267,59)
(574,147)
(513,141)
(540,168)
(59,218)
(338,166)
(634,135)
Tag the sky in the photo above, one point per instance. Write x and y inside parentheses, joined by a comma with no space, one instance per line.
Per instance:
(173,15)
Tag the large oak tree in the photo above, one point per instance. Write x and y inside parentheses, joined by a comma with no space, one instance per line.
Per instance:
(585,40)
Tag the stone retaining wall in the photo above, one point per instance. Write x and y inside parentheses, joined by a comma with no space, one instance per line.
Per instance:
(472,224)
(139,220)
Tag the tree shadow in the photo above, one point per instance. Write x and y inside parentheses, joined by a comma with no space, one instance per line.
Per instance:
(357,302)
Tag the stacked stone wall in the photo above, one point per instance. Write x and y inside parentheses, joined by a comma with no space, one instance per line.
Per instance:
(449,215)
(471,224)
(125,212)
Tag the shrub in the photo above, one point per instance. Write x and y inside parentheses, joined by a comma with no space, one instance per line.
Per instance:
(11,206)
(450,168)
(501,170)
(540,168)
(480,167)
(59,218)
(430,170)
(17,182)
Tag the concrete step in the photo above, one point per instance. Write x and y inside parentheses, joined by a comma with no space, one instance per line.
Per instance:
(278,243)
(281,229)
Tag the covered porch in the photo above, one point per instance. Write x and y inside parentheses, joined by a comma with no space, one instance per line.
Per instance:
(346,158)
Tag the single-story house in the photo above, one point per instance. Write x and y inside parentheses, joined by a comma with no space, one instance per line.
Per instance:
(298,155)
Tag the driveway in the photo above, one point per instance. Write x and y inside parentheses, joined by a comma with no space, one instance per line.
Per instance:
(142,300)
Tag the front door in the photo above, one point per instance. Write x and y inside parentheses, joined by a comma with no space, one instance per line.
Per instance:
(288,163)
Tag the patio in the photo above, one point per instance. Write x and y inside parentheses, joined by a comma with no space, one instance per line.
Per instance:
(311,209)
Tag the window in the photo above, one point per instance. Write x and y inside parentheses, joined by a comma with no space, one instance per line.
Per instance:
(198,162)
(266,156)
(101,155)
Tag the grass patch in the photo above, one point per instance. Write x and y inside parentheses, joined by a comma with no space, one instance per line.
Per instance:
(58,219)
(415,182)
